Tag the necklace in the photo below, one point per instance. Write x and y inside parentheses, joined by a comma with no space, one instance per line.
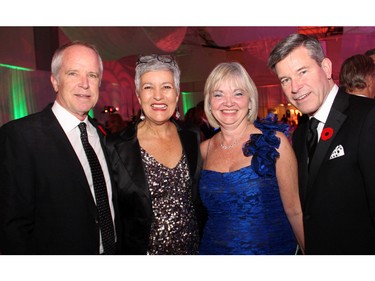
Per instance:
(228,146)
(223,146)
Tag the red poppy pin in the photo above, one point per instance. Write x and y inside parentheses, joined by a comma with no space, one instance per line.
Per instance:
(327,133)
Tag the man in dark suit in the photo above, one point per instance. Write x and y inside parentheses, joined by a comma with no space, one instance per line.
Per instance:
(47,199)
(337,187)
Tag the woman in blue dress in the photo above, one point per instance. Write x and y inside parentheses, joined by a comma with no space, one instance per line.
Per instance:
(249,182)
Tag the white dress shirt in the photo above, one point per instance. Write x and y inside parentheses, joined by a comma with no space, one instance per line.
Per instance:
(70,123)
(323,111)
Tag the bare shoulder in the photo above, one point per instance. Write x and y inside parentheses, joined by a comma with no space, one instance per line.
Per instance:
(281,136)
(285,144)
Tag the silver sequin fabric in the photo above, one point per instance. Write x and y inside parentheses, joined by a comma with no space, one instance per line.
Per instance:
(174,229)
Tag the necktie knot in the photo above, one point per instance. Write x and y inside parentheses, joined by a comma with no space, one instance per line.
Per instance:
(313,132)
(313,123)
(82,128)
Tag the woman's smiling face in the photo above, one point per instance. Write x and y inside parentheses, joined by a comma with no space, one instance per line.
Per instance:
(158,95)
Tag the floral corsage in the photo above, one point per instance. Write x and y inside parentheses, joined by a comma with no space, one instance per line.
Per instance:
(263,146)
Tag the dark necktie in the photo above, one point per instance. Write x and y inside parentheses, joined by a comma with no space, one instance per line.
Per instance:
(312,137)
(105,218)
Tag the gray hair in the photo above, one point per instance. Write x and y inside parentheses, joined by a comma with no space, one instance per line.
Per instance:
(290,43)
(241,77)
(59,53)
(154,62)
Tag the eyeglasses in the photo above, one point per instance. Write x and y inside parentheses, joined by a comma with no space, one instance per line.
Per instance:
(162,58)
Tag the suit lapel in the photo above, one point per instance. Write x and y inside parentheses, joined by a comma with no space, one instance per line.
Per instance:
(188,142)
(52,128)
(130,155)
(335,120)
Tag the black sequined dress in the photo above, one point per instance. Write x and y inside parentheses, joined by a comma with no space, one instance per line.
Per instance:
(174,230)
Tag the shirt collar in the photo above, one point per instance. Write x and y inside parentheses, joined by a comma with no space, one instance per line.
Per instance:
(323,111)
(67,120)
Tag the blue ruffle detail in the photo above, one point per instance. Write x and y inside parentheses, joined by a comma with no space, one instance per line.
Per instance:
(263,146)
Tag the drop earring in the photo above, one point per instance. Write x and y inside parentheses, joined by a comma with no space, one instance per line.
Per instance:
(142,116)
(177,114)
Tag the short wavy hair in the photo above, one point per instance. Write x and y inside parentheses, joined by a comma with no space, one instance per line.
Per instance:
(235,71)
(292,42)
(354,71)
(155,62)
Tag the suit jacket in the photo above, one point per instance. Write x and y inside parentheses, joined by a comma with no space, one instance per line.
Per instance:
(338,195)
(133,191)
(46,206)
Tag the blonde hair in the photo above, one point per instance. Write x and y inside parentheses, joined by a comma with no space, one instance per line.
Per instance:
(238,73)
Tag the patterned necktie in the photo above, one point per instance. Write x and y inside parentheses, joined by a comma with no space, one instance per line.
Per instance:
(105,218)
(312,137)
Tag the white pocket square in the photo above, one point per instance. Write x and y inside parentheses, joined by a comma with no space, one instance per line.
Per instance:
(337,152)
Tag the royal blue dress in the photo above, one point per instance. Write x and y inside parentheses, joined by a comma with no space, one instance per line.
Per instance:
(245,212)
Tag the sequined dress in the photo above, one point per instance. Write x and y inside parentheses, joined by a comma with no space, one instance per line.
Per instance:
(245,212)
(174,230)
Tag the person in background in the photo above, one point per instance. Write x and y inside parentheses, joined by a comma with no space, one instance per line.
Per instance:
(156,164)
(205,127)
(193,120)
(284,119)
(196,118)
(337,183)
(249,182)
(371,54)
(47,201)
(115,123)
(357,76)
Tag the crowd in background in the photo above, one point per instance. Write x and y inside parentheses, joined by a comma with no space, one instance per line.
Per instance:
(219,181)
